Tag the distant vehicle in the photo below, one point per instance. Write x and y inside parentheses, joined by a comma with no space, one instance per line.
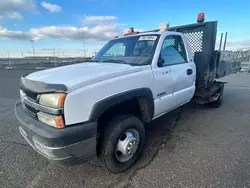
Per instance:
(70,113)
(8,67)
(40,68)
(245,67)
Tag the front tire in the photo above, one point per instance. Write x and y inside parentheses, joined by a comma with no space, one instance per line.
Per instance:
(122,143)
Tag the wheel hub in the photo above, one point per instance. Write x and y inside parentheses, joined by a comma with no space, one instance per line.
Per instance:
(127,145)
(131,147)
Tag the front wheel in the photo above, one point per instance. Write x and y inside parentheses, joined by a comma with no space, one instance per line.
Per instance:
(122,143)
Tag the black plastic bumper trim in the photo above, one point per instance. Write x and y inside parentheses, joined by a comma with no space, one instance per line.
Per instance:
(51,136)
(72,145)
(65,155)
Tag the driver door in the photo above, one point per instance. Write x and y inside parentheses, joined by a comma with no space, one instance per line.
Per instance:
(174,76)
(163,84)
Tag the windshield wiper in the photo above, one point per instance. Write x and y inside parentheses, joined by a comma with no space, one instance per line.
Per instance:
(116,61)
(93,61)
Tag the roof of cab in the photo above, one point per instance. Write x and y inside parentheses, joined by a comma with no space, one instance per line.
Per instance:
(145,33)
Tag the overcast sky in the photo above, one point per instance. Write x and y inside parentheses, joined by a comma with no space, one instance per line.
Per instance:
(61,25)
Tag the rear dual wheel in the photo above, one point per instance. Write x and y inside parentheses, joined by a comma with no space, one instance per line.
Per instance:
(122,142)
(219,101)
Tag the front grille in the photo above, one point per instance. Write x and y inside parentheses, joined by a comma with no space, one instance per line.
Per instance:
(31,111)
(32,97)
(30,94)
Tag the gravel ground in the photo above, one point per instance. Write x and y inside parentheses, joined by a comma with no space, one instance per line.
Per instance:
(208,148)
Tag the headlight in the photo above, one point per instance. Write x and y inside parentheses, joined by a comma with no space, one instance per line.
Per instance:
(54,121)
(54,100)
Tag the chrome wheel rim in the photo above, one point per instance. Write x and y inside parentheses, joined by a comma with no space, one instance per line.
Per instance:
(127,145)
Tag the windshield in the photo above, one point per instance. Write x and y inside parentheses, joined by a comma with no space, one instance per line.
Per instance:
(133,50)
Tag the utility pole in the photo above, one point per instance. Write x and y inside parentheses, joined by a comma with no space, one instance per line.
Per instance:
(22,54)
(54,52)
(83,45)
(32,41)
(9,58)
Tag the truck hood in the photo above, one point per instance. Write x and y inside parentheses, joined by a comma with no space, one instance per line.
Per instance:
(82,74)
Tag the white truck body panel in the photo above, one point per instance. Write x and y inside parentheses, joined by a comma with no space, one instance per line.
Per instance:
(79,103)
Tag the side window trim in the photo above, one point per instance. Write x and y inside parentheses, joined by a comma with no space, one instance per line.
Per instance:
(184,49)
(183,46)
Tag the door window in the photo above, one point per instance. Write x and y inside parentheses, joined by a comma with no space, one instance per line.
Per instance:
(172,51)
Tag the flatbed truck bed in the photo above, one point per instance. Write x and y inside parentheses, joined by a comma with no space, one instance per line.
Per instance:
(211,64)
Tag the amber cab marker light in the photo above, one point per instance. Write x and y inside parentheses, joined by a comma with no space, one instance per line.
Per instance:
(131,32)
(201,17)
(61,100)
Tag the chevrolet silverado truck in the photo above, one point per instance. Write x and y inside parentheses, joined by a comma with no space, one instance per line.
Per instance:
(71,113)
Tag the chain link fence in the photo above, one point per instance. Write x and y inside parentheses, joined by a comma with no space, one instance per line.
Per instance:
(41,63)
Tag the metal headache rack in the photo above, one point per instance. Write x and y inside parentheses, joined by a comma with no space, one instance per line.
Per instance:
(210,63)
(202,38)
(195,40)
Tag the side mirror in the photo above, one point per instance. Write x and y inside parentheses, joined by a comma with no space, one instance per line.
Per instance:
(161,62)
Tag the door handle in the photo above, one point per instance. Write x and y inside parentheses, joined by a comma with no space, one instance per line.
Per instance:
(166,72)
(189,71)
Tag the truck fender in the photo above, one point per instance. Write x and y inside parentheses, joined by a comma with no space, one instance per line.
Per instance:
(101,106)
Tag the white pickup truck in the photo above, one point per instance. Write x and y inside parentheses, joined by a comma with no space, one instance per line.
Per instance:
(70,113)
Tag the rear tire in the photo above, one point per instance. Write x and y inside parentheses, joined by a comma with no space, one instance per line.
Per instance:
(122,143)
(219,101)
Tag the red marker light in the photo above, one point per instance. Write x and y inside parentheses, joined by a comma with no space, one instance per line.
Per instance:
(201,17)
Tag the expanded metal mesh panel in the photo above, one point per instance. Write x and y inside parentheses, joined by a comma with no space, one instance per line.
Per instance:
(168,42)
(195,40)
(171,42)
